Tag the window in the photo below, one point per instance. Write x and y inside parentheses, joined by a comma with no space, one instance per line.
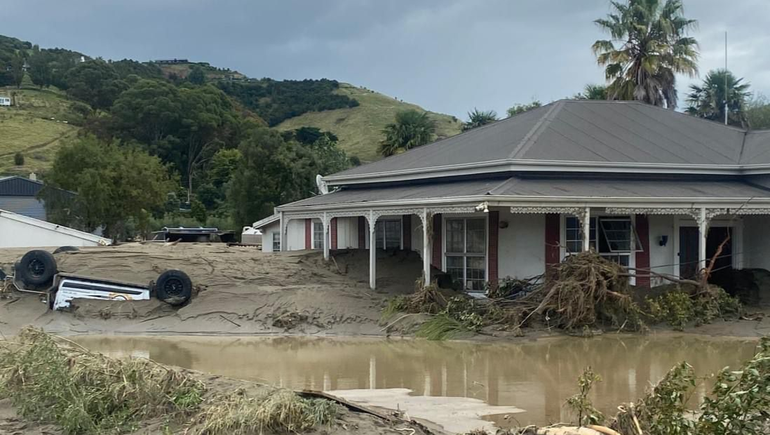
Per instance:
(276,242)
(388,233)
(318,235)
(574,235)
(466,251)
(613,238)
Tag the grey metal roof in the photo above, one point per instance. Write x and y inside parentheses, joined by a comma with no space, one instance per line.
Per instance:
(24,205)
(19,186)
(586,131)
(541,188)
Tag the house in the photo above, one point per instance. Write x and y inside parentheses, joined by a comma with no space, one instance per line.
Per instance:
(18,231)
(19,195)
(5,101)
(649,188)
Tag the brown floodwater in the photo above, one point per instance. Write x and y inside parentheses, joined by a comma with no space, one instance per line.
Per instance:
(535,376)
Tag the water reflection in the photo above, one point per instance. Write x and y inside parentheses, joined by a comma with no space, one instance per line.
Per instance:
(535,376)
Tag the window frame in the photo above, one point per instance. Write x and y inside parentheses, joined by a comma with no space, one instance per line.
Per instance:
(465,255)
(628,255)
(316,242)
(276,241)
(380,233)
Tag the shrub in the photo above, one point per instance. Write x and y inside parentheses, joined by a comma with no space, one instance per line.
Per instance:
(580,404)
(18,159)
(678,307)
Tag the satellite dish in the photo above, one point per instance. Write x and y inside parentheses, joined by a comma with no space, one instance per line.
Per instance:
(322,187)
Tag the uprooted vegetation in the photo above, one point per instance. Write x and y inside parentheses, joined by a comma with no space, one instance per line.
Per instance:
(583,292)
(53,380)
(738,404)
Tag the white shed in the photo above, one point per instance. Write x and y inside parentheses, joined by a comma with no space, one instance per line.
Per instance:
(5,101)
(17,231)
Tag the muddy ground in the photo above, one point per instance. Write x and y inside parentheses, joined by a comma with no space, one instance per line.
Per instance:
(243,291)
(239,291)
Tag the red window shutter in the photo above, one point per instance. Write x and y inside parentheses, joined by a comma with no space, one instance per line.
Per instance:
(437,244)
(406,230)
(308,234)
(494,228)
(552,239)
(643,257)
(361,232)
(333,233)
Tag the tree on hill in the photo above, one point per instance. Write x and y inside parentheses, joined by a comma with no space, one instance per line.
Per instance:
(113,183)
(95,83)
(477,118)
(648,46)
(707,100)
(17,70)
(521,108)
(40,71)
(411,129)
(592,92)
(196,75)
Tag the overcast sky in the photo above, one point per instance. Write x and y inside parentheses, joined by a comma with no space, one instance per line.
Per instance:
(445,55)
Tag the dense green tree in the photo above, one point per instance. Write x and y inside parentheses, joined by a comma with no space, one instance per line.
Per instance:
(40,69)
(758,113)
(592,92)
(17,70)
(96,83)
(147,112)
(272,172)
(308,135)
(708,99)
(196,75)
(275,101)
(113,183)
(212,190)
(411,129)
(648,47)
(477,118)
(521,108)
(127,67)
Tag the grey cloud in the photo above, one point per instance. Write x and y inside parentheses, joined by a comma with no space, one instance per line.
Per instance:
(446,55)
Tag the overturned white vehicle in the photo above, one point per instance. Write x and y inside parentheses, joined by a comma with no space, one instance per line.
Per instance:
(36,272)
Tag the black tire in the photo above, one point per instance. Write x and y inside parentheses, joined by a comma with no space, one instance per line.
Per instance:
(174,287)
(66,249)
(36,268)
(2,275)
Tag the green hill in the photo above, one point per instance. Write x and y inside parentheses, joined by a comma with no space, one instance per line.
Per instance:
(359,129)
(35,127)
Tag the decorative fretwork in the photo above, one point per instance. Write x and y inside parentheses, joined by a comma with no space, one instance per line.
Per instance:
(751,211)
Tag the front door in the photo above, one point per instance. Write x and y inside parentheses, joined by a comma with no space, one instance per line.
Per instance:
(688,252)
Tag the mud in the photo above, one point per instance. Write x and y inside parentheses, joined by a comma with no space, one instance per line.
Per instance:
(239,291)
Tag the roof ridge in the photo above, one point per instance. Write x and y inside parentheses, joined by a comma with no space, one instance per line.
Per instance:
(538,128)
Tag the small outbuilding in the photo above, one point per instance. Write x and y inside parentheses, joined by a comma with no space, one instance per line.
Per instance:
(5,101)
(18,231)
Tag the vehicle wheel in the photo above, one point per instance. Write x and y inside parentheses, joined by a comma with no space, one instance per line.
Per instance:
(36,268)
(174,287)
(66,249)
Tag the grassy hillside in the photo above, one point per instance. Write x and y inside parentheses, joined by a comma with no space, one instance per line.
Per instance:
(360,128)
(35,127)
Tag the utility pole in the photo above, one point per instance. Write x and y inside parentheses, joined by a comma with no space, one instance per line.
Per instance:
(725,77)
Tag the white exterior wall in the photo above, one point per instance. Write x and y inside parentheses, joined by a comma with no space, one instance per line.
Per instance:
(662,258)
(267,236)
(23,232)
(521,246)
(347,233)
(756,237)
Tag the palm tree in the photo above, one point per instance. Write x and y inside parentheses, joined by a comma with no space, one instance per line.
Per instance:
(411,129)
(478,118)
(708,100)
(592,92)
(648,47)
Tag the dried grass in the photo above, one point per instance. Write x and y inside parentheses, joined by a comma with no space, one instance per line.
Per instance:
(277,411)
(54,380)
